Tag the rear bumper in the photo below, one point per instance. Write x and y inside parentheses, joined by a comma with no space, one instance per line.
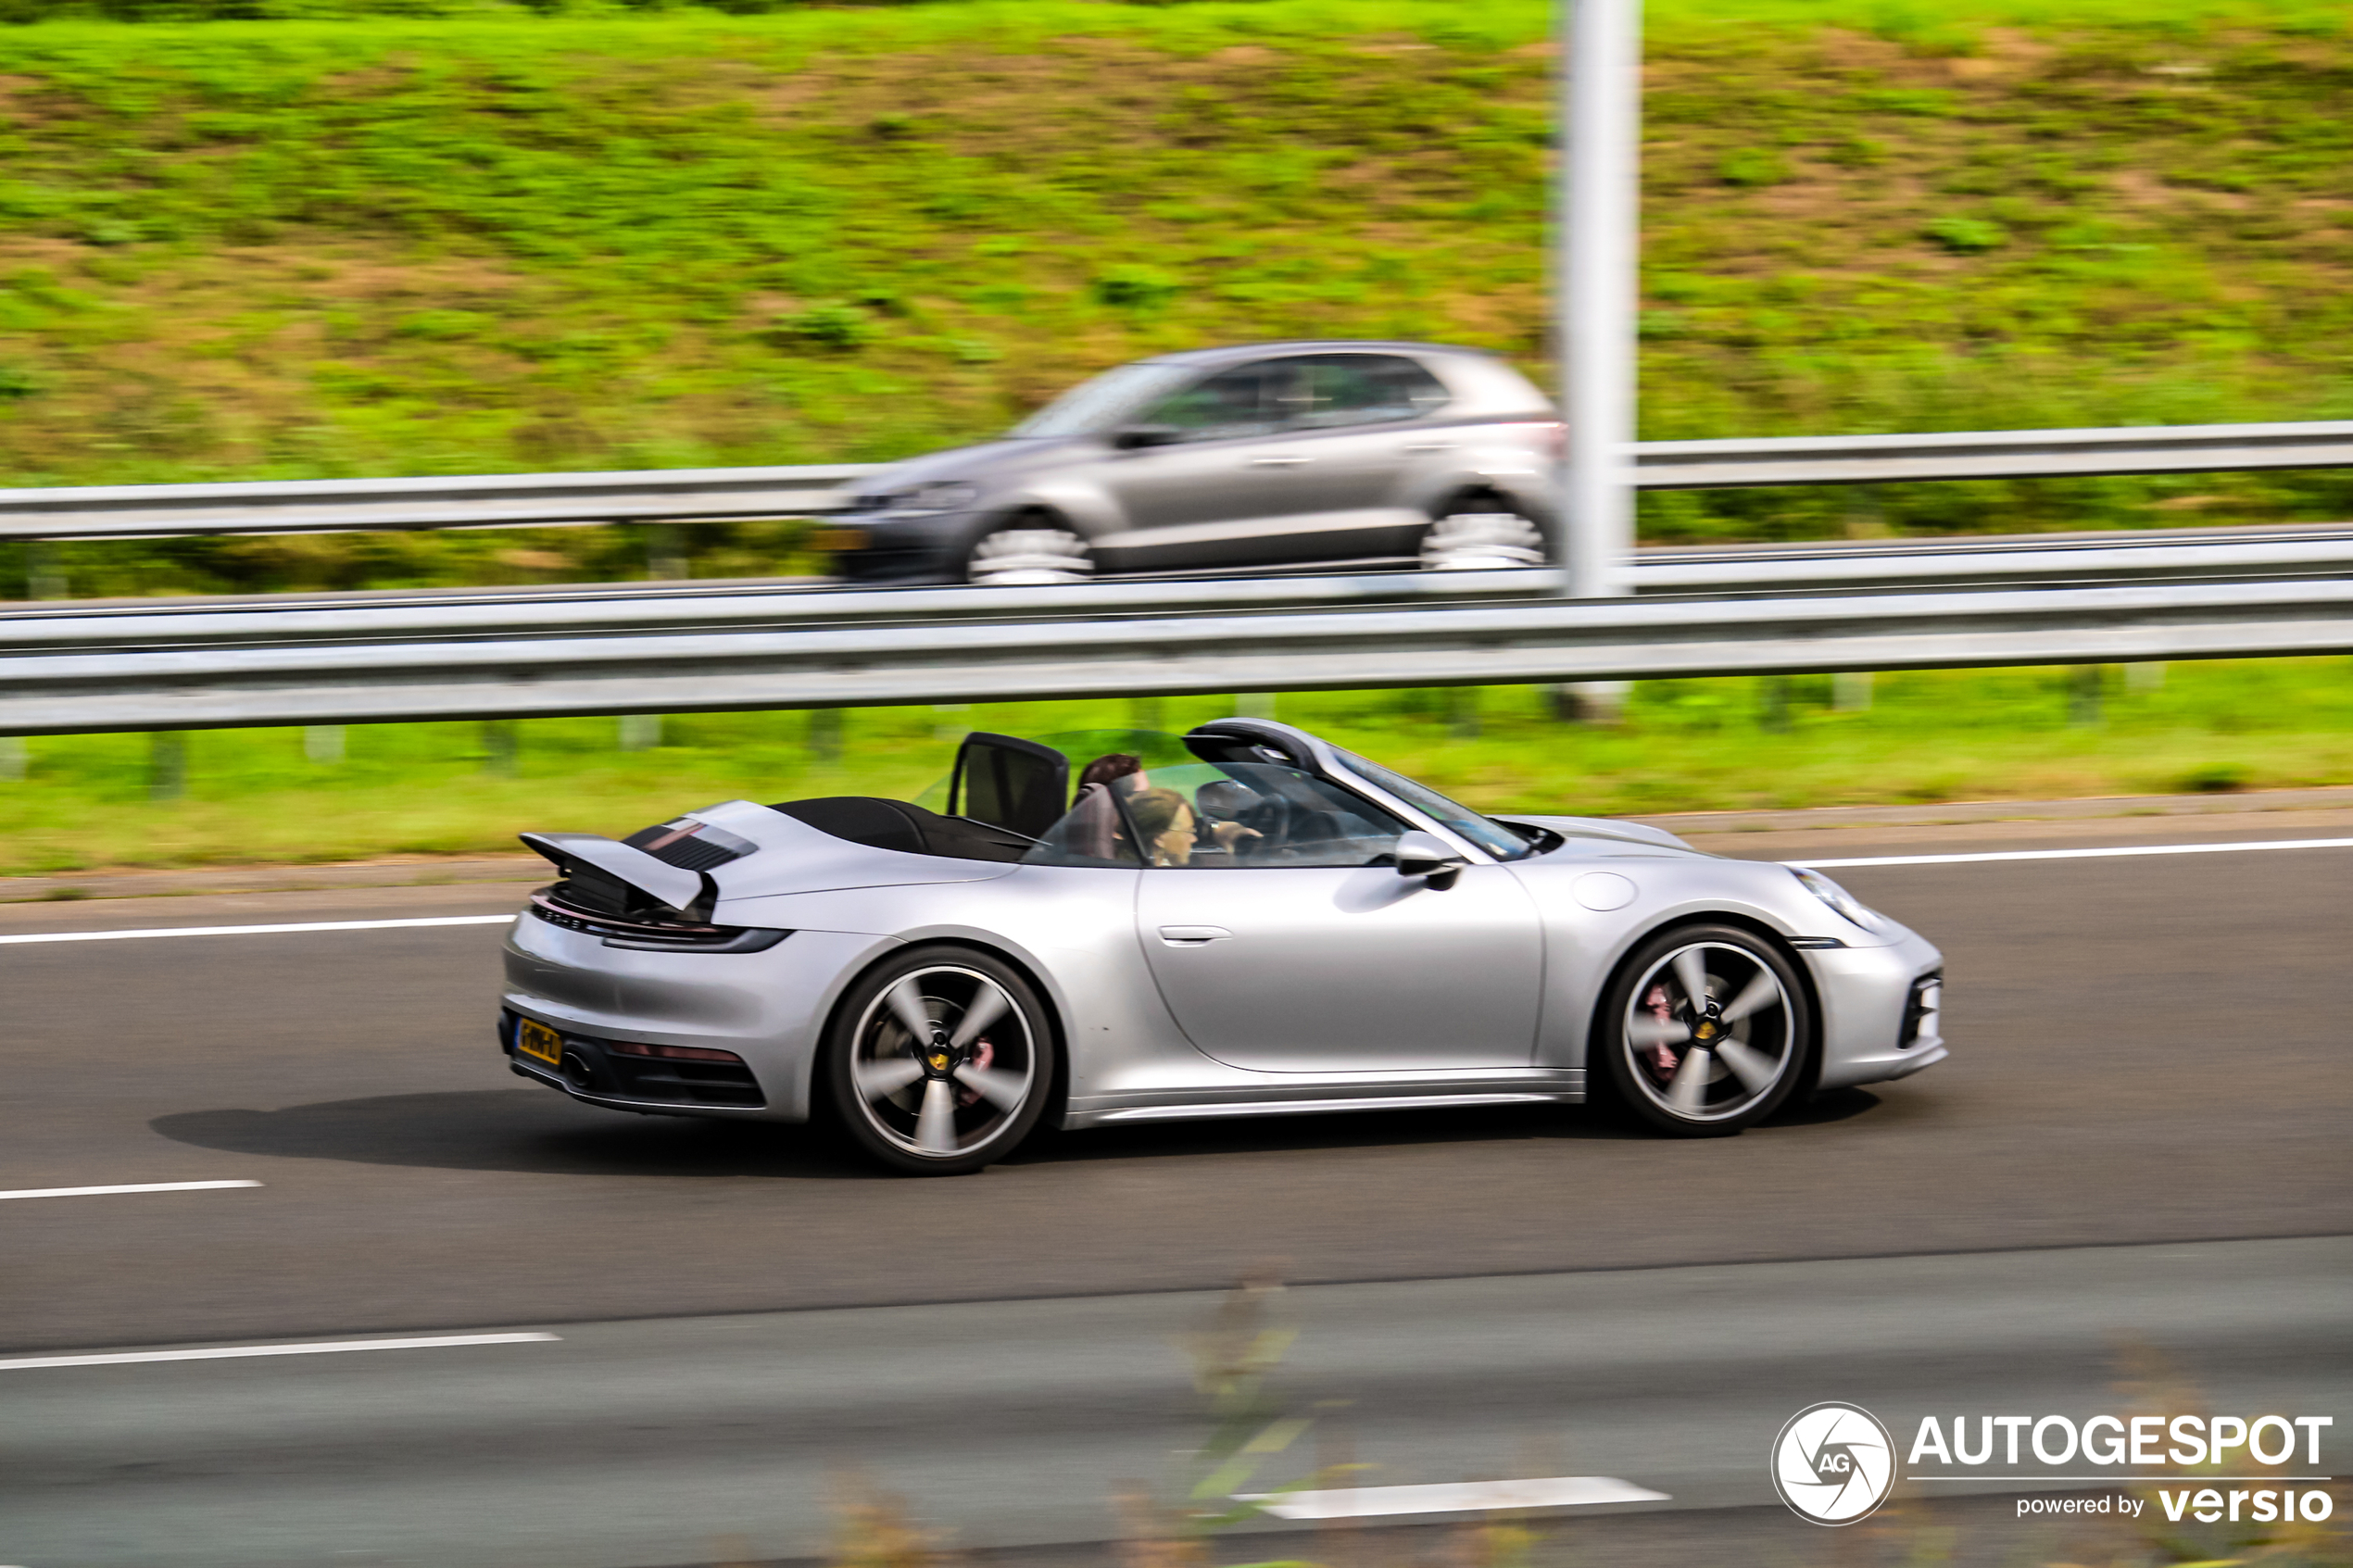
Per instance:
(594,1070)
(905,547)
(768,1009)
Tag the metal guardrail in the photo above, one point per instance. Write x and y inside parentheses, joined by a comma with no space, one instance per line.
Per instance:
(2104,559)
(505,500)
(670,495)
(2013,454)
(894,662)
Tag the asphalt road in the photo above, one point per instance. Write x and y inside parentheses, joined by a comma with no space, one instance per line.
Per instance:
(2146,1051)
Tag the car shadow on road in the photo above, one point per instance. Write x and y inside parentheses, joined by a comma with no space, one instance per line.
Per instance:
(519,1129)
(526,1130)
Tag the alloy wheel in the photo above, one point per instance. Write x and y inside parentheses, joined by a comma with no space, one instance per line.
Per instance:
(1708,1032)
(943,1061)
(1481,542)
(1015,556)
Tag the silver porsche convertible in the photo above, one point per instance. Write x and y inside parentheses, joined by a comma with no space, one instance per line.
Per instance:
(1245,921)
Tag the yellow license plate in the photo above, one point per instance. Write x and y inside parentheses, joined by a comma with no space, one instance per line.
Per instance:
(539,1042)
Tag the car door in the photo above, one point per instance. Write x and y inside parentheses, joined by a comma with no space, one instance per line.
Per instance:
(1353,436)
(1295,956)
(1199,499)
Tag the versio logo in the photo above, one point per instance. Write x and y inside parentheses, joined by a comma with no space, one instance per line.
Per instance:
(1834,1464)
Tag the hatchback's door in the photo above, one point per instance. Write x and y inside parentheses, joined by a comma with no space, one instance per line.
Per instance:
(1202,497)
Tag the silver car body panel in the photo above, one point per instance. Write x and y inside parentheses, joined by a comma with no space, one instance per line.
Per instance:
(1219,992)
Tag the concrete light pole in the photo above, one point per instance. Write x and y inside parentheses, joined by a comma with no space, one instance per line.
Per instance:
(1595,289)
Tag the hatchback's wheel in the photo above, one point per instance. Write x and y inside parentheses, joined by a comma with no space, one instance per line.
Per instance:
(1029,554)
(1482,541)
(940,1061)
(1704,1032)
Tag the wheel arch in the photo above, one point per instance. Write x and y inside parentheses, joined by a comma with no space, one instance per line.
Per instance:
(1057,1029)
(1597,1024)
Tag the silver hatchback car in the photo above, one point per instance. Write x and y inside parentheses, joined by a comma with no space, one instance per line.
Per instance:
(1267,455)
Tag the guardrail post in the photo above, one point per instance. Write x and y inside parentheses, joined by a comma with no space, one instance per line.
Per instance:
(2083,693)
(45,574)
(640,731)
(1850,691)
(665,553)
(825,734)
(501,747)
(167,765)
(16,760)
(324,744)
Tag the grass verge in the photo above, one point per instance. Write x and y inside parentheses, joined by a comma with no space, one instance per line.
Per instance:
(256,796)
(482,242)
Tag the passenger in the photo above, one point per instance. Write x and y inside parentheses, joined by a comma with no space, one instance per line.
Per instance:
(1095,826)
(1165,821)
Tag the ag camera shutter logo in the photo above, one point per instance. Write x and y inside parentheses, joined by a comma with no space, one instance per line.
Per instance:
(1834,1464)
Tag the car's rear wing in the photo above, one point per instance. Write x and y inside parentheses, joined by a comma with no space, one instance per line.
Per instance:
(603,872)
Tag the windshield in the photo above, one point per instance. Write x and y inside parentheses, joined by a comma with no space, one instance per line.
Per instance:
(1104,403)
(1485,831)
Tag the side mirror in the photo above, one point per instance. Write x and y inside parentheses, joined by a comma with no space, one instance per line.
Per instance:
(1424,855)
(1135,437)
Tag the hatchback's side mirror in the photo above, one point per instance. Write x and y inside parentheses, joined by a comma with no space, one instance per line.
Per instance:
(1133,438)
(1425,855)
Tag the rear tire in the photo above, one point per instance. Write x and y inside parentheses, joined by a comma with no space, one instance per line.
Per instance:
(964,1092)
(1703,1033)
(1479,533)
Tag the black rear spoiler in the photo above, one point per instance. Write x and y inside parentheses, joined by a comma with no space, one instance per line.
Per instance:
(690,893)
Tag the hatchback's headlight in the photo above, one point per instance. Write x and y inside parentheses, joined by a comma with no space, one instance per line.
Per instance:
(1838,899)
(942,498)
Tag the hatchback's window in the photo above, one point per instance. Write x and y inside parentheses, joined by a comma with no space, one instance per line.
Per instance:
(1199,815)
(1245,401)
(1103,404)
(1357,389)
(1485,831)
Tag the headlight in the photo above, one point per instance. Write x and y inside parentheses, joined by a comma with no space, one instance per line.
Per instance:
(1838,899)
(942,498)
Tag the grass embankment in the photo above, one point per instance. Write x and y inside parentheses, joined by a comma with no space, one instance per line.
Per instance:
(406,246)
(253,796)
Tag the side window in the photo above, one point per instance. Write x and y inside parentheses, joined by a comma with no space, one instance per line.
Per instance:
(1336,390)
(1245,401)
(1225,814)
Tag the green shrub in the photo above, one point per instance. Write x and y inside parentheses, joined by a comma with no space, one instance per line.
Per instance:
(1965,236)
(836,325)
(1753,167)
(1134,287)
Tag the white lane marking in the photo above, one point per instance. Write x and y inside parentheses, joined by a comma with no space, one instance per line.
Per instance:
(1366,1502)
(140,1187)
(256,930)
(2068,854)
(229,1352)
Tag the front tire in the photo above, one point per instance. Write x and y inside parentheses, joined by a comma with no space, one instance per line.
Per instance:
(940,1061)
(1031,550)
(1704,1032)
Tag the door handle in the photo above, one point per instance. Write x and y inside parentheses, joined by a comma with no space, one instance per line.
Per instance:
(1284,461)
(1192,935)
